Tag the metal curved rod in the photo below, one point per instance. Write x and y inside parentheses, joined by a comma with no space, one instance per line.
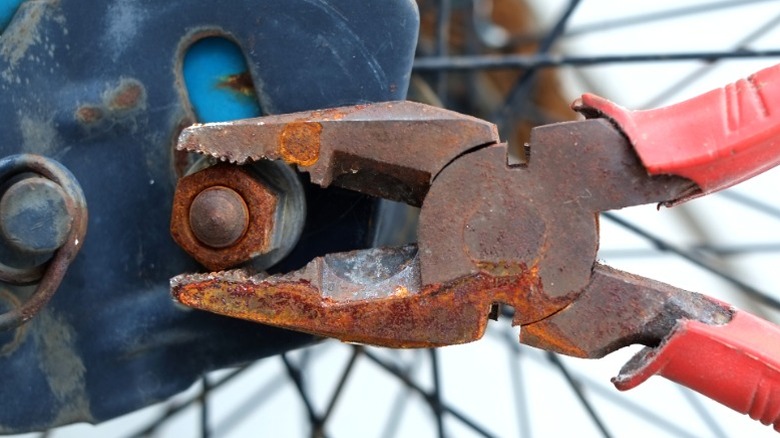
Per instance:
(58,265)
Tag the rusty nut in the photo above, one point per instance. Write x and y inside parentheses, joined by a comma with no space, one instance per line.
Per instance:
(223,216)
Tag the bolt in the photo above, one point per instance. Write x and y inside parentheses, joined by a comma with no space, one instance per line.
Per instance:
(34,217)
(260,222)
(219,217)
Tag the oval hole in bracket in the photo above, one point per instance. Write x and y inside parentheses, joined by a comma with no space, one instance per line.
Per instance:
(218,81)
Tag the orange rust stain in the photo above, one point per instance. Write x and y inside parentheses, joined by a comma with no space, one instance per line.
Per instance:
(335,113)
(446,314)
(127,96)
(89,114)
(546,336)
(299,143)
(239,82)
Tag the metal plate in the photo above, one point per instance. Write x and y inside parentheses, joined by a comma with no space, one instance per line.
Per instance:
(98,86)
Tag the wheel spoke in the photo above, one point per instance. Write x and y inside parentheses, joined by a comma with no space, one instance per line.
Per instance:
(636,20)
(435,399)
(356,352)
(576,388)
(175,408)
(519,96)
(702,412)
(204,407)
(503,62)
(694,258)
(294,373)
(518,384)
(716,250)
(419,390)
(697,74)
(250,406)
(752,203)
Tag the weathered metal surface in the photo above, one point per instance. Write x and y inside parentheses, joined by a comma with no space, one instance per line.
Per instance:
(55,269)
(225,215)
(482,214)
(34,217)
(218,217)
(392,150)
(99,87)
(260,201)
(489,233)
(618,309)
(371,296)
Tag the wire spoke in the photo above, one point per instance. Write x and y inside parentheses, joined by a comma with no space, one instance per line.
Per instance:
(399,406)
(204,407)
(576,387)
(694,258)
(658,16)
(258,398)
(749,202)
(610,395)
(442,46)
(519,96)
(435,399)
(518,384)
(392,369)
(635,20)
(176,408)
(703,413)
(502,62)
(356,352)
(716,250)
(697,74)
(297,378)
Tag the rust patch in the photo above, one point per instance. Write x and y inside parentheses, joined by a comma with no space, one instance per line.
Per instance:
(89,114)
(128,95)
(239,82)
(441,314)
(299,143)
(119,104)
(332,114)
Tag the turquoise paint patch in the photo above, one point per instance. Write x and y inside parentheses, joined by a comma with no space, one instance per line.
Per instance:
(209,66)
(7,10)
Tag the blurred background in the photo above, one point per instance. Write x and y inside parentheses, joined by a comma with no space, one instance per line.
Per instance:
(725,245)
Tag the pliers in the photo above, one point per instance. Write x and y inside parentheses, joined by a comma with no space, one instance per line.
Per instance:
(523,232)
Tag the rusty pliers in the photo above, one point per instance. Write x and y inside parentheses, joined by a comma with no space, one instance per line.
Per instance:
(523,233)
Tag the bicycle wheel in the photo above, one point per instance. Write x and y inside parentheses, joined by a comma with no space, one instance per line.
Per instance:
(723,245)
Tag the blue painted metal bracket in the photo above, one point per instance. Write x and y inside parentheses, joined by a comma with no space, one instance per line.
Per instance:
(98,86)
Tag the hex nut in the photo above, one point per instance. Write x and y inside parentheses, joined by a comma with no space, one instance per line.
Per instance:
(261,202)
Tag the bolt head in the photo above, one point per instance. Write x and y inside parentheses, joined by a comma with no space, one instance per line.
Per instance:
(34,217)
(212,228)
(219,217)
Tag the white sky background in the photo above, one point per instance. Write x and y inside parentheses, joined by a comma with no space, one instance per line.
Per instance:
(476,377)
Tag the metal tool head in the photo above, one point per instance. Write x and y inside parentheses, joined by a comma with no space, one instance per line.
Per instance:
(490,232)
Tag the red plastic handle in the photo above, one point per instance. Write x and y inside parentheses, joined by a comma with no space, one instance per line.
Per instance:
(716,139)
(736,364)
